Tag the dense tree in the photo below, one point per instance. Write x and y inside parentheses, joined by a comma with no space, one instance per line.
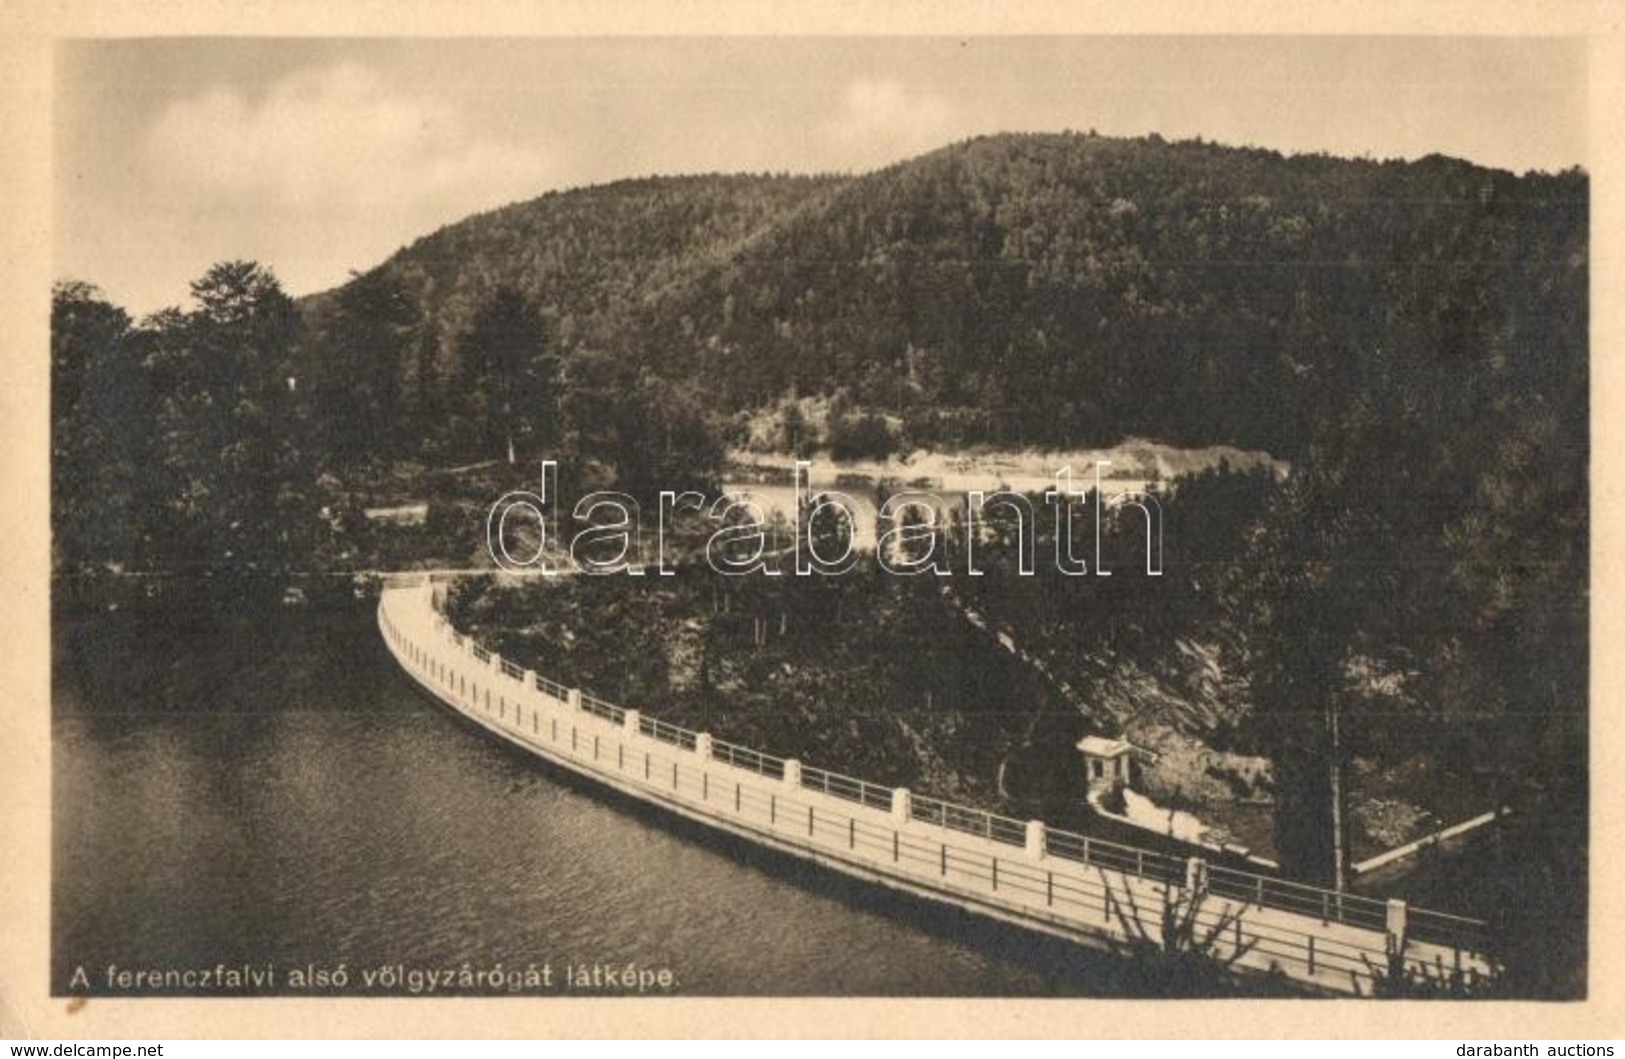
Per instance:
(656,433)
(362,347)
(101,430)
(231,467)
(507,380)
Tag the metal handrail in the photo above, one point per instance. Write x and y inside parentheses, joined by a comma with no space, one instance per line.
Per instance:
(1462,933)
(552,687)
(742,757)
(599,708)
(853,790)
(953,817)
(668,733)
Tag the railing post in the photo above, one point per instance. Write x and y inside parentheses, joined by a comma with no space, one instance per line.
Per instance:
(902,806)
(573,697)
(1396,926)
(632,731)
(792,774)
(1035,840)
(496,661)
(1195,875)
(529,679)
(702,746)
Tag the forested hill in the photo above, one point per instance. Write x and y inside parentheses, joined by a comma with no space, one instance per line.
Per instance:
(586,259)
(1061,289)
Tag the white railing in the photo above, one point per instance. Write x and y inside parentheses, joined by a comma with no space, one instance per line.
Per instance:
(1054,878)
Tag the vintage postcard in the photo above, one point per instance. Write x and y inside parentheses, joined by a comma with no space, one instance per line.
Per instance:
(678,514)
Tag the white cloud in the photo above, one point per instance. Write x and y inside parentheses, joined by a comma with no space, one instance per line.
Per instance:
(328,170)
(881,120)
(331,141)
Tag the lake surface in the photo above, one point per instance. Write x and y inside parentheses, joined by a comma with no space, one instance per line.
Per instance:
(272,794)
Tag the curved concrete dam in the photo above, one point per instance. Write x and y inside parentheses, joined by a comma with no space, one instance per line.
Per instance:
(1068,885)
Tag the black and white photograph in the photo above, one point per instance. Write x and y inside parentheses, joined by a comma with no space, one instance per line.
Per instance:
(918,516)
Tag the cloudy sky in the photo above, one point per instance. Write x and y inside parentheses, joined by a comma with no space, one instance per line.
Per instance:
(318,157)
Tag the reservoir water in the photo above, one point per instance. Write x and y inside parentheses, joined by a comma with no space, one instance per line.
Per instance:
(272,792)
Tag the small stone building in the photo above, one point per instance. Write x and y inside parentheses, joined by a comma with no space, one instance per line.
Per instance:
(1108,764)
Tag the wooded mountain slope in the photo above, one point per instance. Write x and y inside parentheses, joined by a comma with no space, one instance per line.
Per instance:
(1064,289)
